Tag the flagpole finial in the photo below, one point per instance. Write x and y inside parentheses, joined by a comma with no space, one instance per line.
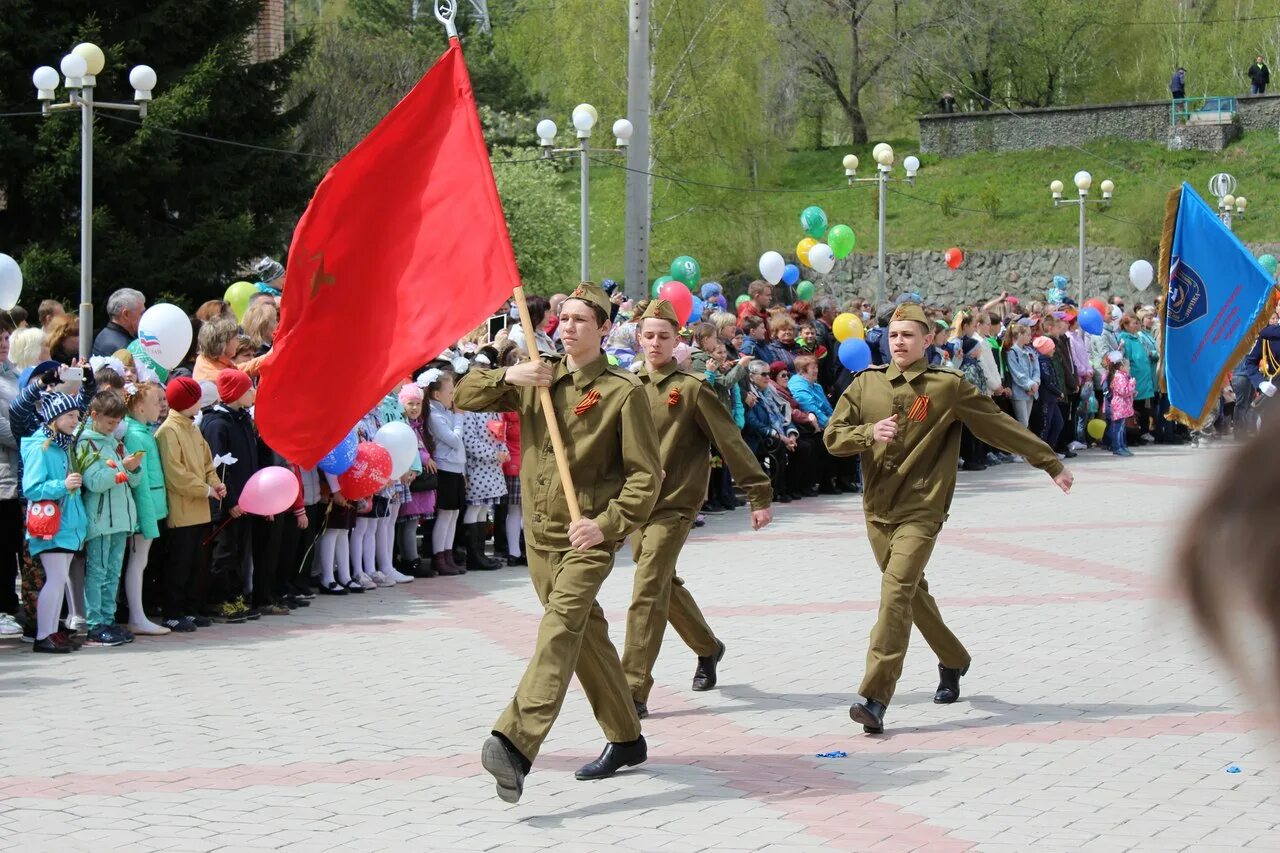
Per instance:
(446,10)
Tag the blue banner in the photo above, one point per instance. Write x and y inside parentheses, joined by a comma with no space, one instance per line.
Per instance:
(1218,296)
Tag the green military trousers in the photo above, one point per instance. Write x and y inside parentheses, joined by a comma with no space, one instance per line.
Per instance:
(902,550)
(573,637)
(658,597)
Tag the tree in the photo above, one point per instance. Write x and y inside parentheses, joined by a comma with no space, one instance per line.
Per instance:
(172,213)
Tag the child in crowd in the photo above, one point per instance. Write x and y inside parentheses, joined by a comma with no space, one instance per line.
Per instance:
(972,450)
(422,497)
(53,490)
(109,480)
(451,463)
(190,481)
(142,403)
(484,437)
(1122,387)
(364,531)
(1050,392)
(228,429)
(1024,370)
(333,547)
(514,518)
(391,411)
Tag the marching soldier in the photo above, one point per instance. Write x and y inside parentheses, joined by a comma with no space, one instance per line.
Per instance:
(904,420)
(612,450)
(689,418)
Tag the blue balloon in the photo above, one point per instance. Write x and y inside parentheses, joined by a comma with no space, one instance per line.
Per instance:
(698,307)
(790,274)
(1091,321)
(855,355)
(338,460)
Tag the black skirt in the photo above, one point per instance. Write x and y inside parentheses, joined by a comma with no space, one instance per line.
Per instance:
(451,491)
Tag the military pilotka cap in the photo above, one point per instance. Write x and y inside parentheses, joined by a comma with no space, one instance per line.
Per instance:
(593,293)
(660,309)
(910,311)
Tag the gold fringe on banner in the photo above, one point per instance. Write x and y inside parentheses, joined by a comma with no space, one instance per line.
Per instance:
(1242,349)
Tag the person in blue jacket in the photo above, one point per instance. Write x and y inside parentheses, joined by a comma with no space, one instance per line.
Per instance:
(56,520)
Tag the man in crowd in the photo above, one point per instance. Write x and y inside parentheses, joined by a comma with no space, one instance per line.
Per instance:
(612,450)
(1178,84)
(1259,76)
(124,308)
(824,315)
(49,308)
(905,422)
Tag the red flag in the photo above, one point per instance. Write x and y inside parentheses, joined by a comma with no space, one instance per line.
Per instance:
(402,250)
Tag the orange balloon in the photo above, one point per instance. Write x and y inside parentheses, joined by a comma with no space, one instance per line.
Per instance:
(1098,305)
(802,249)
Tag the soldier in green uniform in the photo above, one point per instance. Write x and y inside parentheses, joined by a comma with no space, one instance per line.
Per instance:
(689,418)
(904,420)
(612,452)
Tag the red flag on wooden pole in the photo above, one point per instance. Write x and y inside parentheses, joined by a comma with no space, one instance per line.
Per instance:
(402,250)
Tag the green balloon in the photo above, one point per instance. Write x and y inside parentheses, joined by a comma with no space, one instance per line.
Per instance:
(740,300)
(804,290)
(813,220)
(658,282)
(841,240)
(1268,263)
(686,269)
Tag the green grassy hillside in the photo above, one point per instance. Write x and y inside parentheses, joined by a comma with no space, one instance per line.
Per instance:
(999,201)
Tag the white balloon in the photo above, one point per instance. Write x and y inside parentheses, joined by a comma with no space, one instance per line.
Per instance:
(401,443)
(822,258)
(165,334)
(1141,274)
(772,266)
(10,282)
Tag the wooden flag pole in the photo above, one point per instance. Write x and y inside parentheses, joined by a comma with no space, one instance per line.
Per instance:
(548,408)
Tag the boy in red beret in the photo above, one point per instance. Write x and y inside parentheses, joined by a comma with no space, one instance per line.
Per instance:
(189,481)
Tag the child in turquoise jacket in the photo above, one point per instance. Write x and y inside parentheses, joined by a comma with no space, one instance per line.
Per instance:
(142,400)
(113,517)
(53,490)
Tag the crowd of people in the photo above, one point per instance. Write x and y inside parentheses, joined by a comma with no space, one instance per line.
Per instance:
(120,480)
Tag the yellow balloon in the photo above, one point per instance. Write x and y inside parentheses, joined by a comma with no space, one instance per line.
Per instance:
(1097,428)
(238,296)
(848,326)
(802,249)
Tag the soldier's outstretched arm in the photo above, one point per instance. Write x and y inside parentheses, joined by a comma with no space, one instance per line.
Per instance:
(985,420)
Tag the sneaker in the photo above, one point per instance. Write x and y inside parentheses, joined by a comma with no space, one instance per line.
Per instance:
(200,621)
(9,626)
(993,458)
(1075,445)
(230,613)
(293,602)
(123,632)
(381,580)
(1013,457)
(1148,437)
(50,646)
(185,625)
(103,635)
(365,581)
(399,577)
(67,640)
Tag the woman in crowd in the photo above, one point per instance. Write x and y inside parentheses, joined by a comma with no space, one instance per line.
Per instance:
(218,341)
(63,338)
(785,345)
(1142,368)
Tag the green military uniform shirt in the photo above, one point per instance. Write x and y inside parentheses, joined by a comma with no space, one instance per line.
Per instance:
(609,438)
(913,477)
(690,418)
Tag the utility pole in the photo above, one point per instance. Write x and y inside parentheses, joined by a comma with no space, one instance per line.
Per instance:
(639,195)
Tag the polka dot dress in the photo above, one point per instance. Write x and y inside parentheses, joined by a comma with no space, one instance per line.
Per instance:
(485,481)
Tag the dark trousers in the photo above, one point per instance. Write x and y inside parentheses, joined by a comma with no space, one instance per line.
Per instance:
(1142,410)
(12,531)
(772,456)
(185,576)
(301,577)
(229,564)
(1069,408)
(972,451)
(1050,422)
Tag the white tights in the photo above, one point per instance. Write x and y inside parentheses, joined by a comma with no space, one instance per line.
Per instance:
(139,551)
(442,535)
(334,546)
(363,541)
(57,567)
(515,524)
(385,540)
(474,513)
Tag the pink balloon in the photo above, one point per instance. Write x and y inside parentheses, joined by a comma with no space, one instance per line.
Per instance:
(680,298)
(270,491)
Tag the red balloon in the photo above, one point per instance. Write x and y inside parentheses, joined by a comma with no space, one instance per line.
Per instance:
(369,473)
(680,298)
(954,257)
(1097,304)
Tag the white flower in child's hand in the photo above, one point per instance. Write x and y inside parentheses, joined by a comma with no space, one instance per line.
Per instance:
(224,459)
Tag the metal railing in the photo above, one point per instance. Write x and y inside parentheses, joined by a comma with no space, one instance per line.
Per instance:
(1204,109)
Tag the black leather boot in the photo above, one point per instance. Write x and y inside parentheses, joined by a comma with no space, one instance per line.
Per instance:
(704,677)
(615,757)
(870,713)
(948,685)
(477,561)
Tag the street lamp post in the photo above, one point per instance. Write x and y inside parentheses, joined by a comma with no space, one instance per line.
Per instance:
(584,118)
(883,155)
(1223,187)
(1083,181)
(80,69)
